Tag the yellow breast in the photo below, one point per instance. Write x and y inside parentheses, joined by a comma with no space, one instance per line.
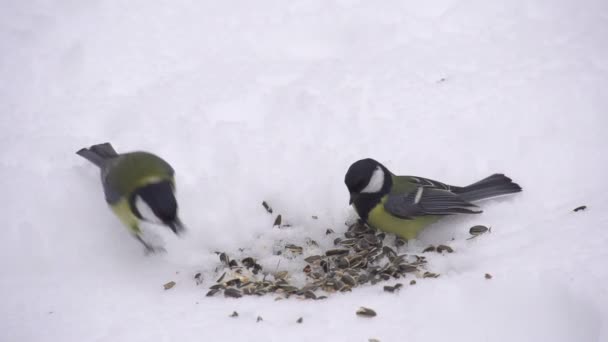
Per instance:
(380,219)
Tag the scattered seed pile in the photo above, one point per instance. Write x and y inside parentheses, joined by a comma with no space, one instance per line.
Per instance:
(360,257)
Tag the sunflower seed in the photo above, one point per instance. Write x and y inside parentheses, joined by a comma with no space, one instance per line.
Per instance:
(224,258)
(365,312)
(349,280)
(234,293)
(294,249)
(234,314)
(277,221)
(430,275)
(212,293)
(280,275)
(169,285)
(248,262)
(407,268)
(259,319)
(442,248)
(329,231)
(582,207)
(334,252)
(478,230)
(413,282)
(217,287)
(300,320)
(267,207)
(313,258)
(488,276)
(430,248)
(389,289)
(199,278)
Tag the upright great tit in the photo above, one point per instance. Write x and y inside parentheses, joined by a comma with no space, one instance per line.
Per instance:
(138,186)
(404,205)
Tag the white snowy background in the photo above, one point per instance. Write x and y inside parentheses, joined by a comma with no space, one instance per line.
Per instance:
(273,100)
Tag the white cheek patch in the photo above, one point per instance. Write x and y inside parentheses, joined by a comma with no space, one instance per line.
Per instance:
(376,182)
(145,211)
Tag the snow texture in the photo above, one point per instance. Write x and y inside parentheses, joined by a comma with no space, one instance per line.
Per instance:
(273,100)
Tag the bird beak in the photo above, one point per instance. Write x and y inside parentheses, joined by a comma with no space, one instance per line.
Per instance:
(353,197)
(176,226)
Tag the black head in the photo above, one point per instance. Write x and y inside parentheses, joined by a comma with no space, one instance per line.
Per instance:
(367,176)
(156,203)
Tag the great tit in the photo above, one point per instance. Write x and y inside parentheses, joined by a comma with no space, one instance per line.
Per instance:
(404,205)
(138,186)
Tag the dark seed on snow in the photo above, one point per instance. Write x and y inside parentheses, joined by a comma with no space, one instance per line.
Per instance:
(267,207)
(442,248)
(212,293)
(234,293)
(365,312)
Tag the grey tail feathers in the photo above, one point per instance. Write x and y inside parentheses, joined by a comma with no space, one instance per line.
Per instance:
(98,154)
(493,186)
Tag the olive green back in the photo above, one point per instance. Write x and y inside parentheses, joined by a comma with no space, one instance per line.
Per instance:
(130,171)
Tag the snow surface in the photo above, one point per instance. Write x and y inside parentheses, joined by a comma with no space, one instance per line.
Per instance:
(272,100)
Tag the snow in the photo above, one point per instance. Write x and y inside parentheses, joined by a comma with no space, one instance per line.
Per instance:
(273,100)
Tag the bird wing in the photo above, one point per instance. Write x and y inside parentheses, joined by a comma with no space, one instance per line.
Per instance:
(427,201)
(131,170)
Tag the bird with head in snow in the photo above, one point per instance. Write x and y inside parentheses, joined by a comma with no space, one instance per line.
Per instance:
(138,186)
(404,205)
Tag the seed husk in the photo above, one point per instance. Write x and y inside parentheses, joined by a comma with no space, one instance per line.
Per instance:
(430,248)
(233,293)
(217,287)
(349,280)
(365,312)
(430,275)
(582,207)
(488,276)
(300,320)
(478,230)
(389,289)
(169,285)
(294,249)
(329,231)
(219,280)
(199,278)
(334,252)
(234,314)
(248,262)
(442,248)
(373,340)
(407,268)
(280,275)
(259,319)
(224,258)
(412,282)
(277,221)
(267,207)
(212,293)
(313,258)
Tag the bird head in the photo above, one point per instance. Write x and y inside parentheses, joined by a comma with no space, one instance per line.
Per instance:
(367,176)
(156,203)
